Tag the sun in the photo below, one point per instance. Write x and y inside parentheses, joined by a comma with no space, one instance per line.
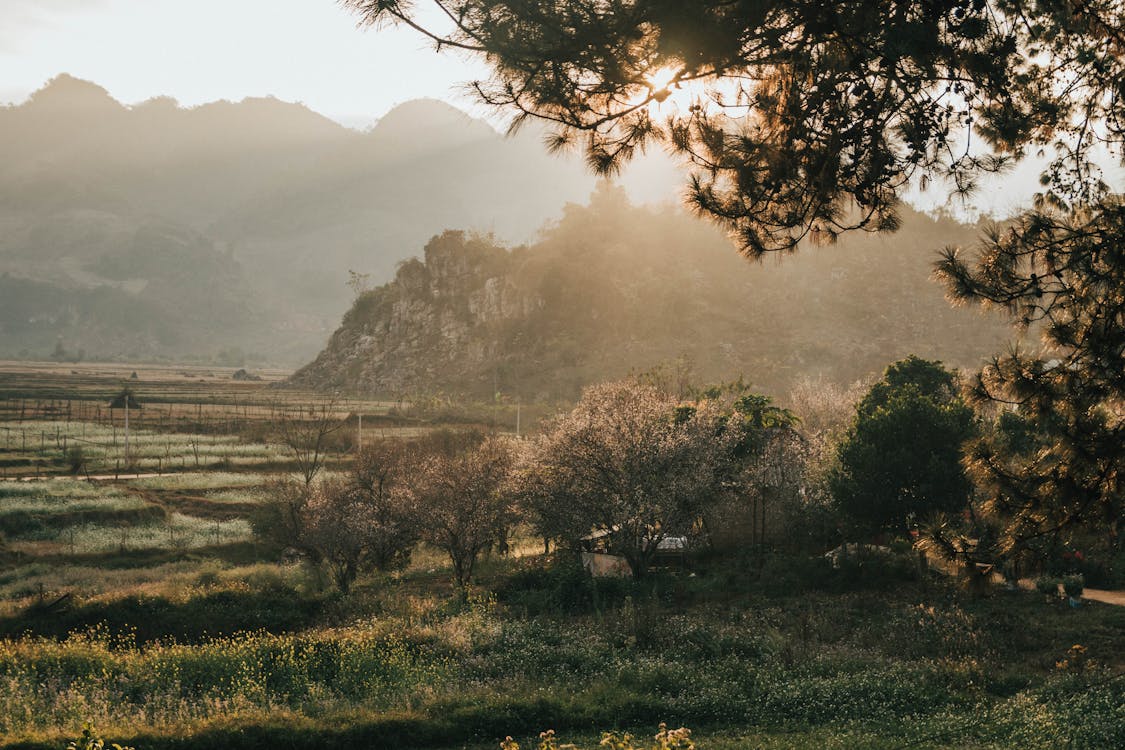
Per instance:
(662,79)
(668,92)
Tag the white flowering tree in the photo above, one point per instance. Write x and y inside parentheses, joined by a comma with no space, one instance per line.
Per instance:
(464,501)
(631,461)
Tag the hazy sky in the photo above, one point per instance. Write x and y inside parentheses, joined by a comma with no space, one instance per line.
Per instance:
(202,50)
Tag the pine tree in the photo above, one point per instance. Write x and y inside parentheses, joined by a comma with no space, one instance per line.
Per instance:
(1058,464)
(802,118)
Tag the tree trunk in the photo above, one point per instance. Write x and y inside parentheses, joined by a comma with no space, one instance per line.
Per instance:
(459,573)
(638,565)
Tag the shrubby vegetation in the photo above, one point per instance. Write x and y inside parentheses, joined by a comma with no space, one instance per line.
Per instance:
(464,502)
(422,673)
(637,463)
(633,463)
(795,602)
(449,489)
(796,125)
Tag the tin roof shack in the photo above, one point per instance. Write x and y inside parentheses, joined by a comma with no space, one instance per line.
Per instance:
(600,558)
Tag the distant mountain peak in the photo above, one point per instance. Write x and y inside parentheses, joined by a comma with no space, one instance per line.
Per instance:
(406,120)
(294,119)
(158,103)
(64,92)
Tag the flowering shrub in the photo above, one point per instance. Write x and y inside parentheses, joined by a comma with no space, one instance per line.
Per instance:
(1076,661)
(665,739)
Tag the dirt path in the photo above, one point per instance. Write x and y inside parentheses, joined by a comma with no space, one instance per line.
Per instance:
(1095,595)
(1108,597)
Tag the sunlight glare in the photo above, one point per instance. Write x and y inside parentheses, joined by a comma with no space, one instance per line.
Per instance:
(660,80)
(665,93)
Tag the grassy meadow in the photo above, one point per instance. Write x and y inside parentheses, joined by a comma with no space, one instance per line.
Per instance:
(146,606)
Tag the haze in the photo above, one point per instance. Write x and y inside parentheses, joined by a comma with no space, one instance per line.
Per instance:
(336,412)
(307,51)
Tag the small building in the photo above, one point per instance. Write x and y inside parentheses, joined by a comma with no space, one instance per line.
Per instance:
(600,558)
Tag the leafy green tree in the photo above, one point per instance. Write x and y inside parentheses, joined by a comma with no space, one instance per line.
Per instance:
(804,119)
(900,461)
(768,458)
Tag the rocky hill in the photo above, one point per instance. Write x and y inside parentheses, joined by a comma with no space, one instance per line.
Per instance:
(612,288)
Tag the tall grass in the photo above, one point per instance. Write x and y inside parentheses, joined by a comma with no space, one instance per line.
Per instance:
(46,684)
(248,496)
(199,480)
(489,677)
(22,581)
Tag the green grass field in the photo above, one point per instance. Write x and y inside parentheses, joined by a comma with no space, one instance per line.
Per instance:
(61,496)
(103,449)
(863,670)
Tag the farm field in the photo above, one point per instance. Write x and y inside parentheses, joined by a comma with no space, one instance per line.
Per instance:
(147,606)
(190,418)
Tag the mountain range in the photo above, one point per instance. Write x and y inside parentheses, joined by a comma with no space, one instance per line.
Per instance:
(226,232)
(156,230)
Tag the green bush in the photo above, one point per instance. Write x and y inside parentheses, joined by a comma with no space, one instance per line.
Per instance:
(76,459)
(781,575)
(561,585)
(1047,585)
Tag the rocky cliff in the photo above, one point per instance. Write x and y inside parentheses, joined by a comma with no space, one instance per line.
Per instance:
(613,288)
(267,203)
(437,322)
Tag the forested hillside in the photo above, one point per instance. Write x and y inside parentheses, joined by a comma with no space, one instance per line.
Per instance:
(156,231)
